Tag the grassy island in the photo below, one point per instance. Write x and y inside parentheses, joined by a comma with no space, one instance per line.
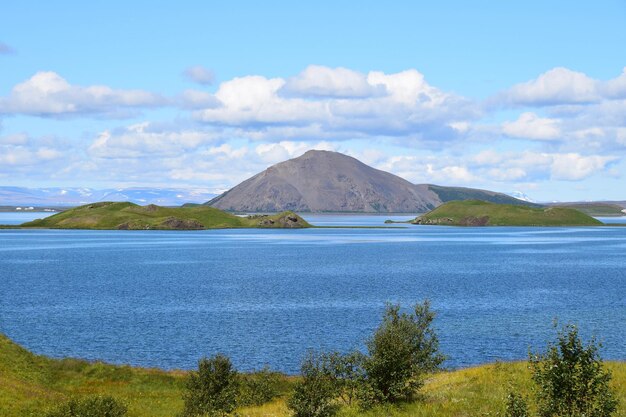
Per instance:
(482,213)
(129,216)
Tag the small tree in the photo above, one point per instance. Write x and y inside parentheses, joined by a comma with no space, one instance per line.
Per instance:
(402,350)
(314,395)
(92,406)
(347,373)
(571,380)
(212,390)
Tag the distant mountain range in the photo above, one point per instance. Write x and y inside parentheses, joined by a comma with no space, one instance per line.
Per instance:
(16,196)
(324,181)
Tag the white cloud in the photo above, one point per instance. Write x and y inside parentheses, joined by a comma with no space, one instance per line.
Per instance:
(556,86)
(195,99)
(19,155)
(200,75)
(48,94)
(409,105)
(272,153)
(144,140)
(14,139)
(320,81)
(573,166)
(531,126)
(615,88)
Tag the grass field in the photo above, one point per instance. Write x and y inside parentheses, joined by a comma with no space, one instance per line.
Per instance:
(481,213)
(107,215)
(31,384)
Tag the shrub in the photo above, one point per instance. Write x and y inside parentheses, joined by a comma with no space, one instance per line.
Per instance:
(212,390)
(347,373)
(516,406)
(259,387)
(571,379)
(93,406)
(401,351)
(314,395)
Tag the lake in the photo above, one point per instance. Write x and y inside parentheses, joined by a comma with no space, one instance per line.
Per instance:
(263,297)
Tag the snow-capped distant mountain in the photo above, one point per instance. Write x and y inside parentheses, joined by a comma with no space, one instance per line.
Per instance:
(521,196)
(15,196)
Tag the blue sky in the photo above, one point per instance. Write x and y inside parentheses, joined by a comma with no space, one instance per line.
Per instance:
(527,96)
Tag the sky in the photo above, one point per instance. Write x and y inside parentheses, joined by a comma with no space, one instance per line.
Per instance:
(508,96)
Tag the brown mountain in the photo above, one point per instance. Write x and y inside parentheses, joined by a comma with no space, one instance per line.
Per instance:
(323,181)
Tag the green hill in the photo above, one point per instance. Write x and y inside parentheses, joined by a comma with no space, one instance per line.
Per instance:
(129,216)
(595,209)
(31,384)
(481,213)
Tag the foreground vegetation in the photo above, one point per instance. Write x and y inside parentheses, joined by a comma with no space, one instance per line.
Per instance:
(482,213)
(32,385)
(129,216)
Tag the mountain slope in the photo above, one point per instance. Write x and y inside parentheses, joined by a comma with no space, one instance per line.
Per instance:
(324,181)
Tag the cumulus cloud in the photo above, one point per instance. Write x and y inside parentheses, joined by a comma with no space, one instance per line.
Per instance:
(556,86)
(615,88)
(6,49)
(531,126)
(200,75)
(320,81)
(573,167)
(143,139)
(195,99)
(48,94)
(379,104)
(563,87)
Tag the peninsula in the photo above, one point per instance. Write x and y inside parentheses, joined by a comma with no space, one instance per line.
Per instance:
(130,216)
(482,213)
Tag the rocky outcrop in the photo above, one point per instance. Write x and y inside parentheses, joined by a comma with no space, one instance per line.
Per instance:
(181,224)
(289,221)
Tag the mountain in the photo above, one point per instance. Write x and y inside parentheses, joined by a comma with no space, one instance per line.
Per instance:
(16,196)
(324,181)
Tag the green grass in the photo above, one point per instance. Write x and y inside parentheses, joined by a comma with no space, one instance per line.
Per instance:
(481,213)
(107,215)
(31,384)
(596,209)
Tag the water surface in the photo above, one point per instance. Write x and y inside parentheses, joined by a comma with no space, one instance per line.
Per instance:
(166,298)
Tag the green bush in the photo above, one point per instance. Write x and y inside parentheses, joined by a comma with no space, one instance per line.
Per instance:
(259,387)
(516,406)
(93,406)
(347,373)
(571,380)
(314,395)
(401,351)
(212,390)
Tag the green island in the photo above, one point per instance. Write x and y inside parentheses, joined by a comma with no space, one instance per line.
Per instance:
(596,209)
(482,213)
(31,385)
(130,216)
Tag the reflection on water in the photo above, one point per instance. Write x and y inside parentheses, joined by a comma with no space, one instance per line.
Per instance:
(166,298)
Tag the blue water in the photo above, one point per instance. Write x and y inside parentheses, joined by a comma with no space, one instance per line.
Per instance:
(157,298)
(13,218)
